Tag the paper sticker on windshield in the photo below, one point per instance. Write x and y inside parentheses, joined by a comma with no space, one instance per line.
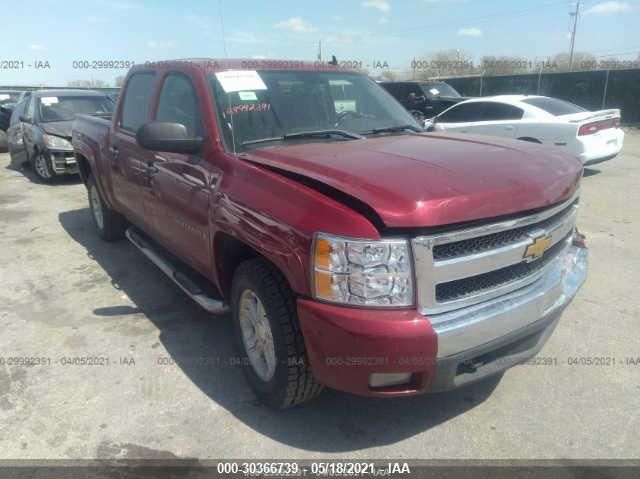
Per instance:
(4,96)
(49,100)
(247,96)
(433,91)
(238,80)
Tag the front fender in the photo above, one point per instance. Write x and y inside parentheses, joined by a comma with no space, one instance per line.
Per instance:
(277,217)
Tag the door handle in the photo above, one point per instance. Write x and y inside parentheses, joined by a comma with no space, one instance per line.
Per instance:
(114,152)
(508,128)
(198,182)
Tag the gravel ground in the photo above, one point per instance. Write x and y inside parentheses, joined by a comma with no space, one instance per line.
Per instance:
(165,384)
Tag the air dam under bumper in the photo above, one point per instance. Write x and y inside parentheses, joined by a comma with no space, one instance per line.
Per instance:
(346,345)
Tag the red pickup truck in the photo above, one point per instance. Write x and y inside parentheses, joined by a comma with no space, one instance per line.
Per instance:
(352,249)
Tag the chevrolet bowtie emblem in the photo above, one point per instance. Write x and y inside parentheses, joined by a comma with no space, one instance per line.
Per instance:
(535,250)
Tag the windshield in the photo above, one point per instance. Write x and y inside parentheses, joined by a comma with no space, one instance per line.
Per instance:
(65,108)
(442,89)
(554,106)
(290,102)
(9,97)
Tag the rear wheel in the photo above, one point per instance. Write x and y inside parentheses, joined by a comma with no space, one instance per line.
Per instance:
(268,336)
(109,223)
(42,167)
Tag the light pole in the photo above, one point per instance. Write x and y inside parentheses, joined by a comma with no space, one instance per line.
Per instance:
(573,33)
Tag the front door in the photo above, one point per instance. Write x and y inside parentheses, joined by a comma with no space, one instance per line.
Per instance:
(182,185)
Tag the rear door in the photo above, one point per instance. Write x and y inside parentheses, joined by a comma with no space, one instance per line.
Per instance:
(182,184)
(129,163)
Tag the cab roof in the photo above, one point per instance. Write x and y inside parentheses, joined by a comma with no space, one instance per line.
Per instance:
(221,64)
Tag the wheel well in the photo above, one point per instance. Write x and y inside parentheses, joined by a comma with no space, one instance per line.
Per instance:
(83,167)
(528,138)
(229,253)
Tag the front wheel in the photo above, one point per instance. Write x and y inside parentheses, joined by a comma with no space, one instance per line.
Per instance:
(268,336)
(109,223)
(42,167)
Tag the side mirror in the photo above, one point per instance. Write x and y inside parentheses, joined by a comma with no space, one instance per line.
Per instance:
(170,137)
(26,119)
(430,124)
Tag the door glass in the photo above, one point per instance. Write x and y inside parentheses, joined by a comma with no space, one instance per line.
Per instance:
(135,109)
(465,112)
(499,112)
(31,107)
(179,104)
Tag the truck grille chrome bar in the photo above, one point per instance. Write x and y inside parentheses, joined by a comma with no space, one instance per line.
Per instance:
(465,267)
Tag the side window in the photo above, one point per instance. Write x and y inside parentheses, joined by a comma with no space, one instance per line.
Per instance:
(17,112)
(135,109)
(403,92)
(31,107)
(499,111)
(392,88)
(462,113)
(414,88)
(179,104)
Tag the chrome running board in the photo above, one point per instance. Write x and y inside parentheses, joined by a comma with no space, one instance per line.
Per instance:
(186,284)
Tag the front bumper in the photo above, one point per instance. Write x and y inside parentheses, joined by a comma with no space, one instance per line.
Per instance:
(63,161)
(346,345)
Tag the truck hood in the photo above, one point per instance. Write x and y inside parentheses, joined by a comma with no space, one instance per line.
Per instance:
(433,179)
(58,128)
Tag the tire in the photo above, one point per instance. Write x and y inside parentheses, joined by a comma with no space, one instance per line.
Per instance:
(289,381)
(42,167)
(110,224)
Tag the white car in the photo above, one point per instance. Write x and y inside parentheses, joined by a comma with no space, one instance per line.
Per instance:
(593,136)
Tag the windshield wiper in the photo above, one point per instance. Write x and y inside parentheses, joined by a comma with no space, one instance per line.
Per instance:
(312,133)
(392,129)
(306,134)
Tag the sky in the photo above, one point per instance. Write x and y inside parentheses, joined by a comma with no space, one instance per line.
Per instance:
(46,37)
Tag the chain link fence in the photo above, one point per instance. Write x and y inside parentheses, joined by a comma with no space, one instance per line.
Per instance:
(593,90)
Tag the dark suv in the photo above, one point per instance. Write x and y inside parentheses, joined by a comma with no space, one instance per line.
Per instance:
(423,99)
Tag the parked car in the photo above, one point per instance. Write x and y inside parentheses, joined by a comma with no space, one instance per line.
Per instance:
(8,100)
(593,136)
(45,129)
(353,250)
(423,99)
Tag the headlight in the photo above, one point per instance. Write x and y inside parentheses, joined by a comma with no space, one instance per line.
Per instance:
(57,143)
(360,272)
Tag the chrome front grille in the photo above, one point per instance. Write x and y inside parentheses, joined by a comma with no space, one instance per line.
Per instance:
(473,285)
(460,268)
(492,241)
